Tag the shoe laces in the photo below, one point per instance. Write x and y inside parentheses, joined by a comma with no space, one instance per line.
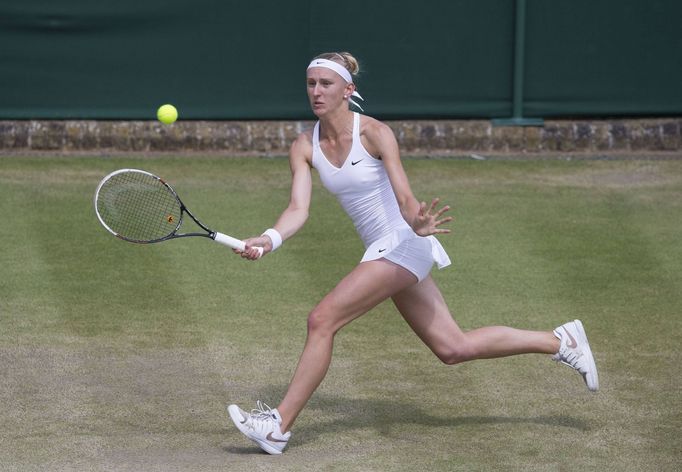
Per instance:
(261,418)
(570,356)
(262,411)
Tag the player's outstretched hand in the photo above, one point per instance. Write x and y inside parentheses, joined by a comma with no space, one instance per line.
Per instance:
(429,219)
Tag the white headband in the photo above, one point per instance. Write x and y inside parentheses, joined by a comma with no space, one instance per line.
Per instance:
(342,71)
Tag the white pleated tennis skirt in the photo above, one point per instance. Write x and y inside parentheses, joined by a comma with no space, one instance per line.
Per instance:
(409,250)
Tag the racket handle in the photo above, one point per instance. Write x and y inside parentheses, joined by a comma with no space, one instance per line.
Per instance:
(229,241)
(234,243)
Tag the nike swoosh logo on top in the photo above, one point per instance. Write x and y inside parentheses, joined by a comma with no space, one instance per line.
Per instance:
(356,162)
(270,438)
(571,341)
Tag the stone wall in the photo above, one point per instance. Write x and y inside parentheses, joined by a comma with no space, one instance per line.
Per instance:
(420,137)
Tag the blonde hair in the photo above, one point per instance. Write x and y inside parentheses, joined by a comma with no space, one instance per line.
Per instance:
(345,59)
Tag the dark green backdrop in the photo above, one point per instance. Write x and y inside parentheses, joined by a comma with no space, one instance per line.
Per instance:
(227,59)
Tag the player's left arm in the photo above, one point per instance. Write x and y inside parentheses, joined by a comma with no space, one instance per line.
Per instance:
(424,219)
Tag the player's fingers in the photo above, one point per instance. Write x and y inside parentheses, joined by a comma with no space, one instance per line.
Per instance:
(249,252)
(442,210)
(447,219)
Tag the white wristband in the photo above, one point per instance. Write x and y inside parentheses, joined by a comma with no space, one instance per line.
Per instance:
(275,237)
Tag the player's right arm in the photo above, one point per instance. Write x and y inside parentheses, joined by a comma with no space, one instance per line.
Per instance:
(295,214)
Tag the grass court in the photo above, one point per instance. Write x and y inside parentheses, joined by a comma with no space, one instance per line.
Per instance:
(122,357)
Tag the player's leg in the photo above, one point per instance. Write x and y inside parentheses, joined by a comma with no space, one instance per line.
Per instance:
(366,286)
(425,310)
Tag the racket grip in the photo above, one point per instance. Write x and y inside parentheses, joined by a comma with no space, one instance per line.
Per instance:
(229,241)
(234,243)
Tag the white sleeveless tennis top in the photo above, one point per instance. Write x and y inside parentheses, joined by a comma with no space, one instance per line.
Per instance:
(364,190)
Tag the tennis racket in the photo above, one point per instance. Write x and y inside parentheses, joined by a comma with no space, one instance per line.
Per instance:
(137,206)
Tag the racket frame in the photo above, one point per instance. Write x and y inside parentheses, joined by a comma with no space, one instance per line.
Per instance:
(214,235)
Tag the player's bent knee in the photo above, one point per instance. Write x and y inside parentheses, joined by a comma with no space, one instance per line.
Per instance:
(320,323)
(454,355)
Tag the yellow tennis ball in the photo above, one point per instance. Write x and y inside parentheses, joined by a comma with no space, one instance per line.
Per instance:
(167,114)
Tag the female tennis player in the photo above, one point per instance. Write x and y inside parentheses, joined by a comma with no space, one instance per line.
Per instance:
(358,160)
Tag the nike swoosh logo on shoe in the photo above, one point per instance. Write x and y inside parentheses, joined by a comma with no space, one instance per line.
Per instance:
(270,438)
(571,341)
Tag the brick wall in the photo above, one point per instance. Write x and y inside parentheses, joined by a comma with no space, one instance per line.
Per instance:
(447,137)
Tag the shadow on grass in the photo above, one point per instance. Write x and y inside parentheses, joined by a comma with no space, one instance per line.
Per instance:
(384,414)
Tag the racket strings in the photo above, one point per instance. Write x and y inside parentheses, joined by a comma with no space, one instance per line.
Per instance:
(139,207)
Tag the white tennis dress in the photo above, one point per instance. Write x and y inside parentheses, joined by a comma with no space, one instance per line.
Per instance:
(362,187)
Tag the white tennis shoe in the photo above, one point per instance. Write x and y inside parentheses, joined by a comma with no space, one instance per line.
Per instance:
(575,352)
(261,426)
